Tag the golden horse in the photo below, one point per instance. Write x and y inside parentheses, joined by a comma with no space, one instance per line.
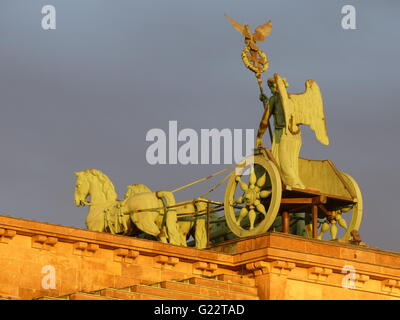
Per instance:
(146,210)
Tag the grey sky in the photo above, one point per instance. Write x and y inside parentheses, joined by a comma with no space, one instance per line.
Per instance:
(84,95)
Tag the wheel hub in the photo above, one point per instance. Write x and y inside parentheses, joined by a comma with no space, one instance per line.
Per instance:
(251,196)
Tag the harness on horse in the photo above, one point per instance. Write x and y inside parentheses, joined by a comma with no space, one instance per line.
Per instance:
(114,220)
(165,209)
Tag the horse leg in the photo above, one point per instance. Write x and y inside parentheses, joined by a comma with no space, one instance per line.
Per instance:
(145,221)
(200,228)
(127,224)
(184,228)
(163,235)
(183,239)
(171,220)
(95,220)
(200,234)
(172,228)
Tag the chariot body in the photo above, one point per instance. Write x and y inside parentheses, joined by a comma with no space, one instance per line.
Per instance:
(260,201)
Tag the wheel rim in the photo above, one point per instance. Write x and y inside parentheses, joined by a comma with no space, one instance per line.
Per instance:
(338,220)
(356,216)
(261,193)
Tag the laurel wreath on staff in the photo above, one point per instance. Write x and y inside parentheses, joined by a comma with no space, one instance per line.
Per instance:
(263,61)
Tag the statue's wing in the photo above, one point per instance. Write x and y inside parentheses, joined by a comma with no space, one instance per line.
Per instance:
(263,31)
(305,108)
(236,25)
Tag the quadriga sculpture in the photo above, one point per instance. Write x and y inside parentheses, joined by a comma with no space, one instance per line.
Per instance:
(148,211)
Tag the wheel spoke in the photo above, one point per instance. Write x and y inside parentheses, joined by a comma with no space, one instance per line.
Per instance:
(242,215)
(334,229)
(242,185)
(261,181)
(260,208)
(252,218)
(238,200)
(324,228)
(341,221)
(265,193)
(252,178)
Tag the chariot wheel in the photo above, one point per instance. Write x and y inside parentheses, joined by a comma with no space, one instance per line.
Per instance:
(253,196)
(345,219)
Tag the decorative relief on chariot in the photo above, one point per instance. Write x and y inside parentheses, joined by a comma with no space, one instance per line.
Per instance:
(272,190)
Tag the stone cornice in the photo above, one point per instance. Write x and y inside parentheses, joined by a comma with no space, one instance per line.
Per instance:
(276,254)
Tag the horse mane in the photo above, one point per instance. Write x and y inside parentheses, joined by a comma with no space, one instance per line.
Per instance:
(106,184)
(136,188)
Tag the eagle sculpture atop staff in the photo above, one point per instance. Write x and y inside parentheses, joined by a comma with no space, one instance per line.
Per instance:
(254,58)
(259,35)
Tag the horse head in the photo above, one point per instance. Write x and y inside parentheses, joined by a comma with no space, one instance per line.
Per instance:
(82,187)
(93,183)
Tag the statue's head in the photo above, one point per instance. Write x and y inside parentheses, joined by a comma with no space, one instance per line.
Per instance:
(272,84)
